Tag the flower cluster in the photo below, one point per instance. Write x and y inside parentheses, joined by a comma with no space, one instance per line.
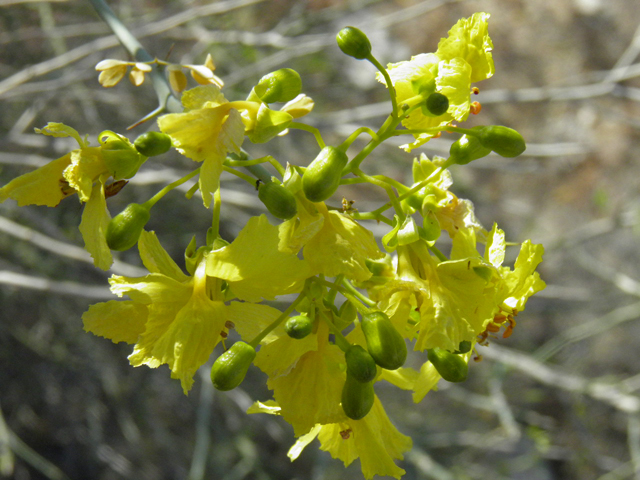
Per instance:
(357,307)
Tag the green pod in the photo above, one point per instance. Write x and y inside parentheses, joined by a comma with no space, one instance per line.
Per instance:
(437,104)
(280,86)
(230,368)
(360,364)
(280,202)
(125,228)
(151,144)
(385,344)
(322,177)
(357,398)
(353,42)
(299,326)
(450,366)
(505,141)
(466,149)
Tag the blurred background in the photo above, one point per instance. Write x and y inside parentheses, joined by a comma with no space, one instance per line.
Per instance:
(557,400)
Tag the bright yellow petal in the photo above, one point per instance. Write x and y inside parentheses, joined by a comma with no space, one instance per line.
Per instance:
(86,166)
(116,320)
(185,342)
(280,356)
(252,318)
(342,246)
(209,179)
(295,233)
(426,381)
(93,226)
(374,439)
(312,391)
(253,265)
(43,186)
(156,259)
(152,288)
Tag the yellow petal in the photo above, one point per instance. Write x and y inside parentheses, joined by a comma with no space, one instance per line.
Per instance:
(253,265)
(374,439)
(43,186)
(86,165)
(112,76)
(311,392)
(341,247)
(156,259)
(185,342)
(427,380)
(93,226)
(116,320)
(152,288)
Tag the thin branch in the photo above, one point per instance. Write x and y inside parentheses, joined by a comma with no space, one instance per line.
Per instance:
(74,289)
(611,394)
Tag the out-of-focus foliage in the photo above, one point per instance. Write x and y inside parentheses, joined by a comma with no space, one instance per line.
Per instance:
(559,401)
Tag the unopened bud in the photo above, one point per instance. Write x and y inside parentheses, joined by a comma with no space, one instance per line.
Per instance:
(354,42)
(280,86)
(125,228)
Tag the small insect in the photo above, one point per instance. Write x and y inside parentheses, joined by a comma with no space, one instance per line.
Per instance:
(347,206)
(346,434)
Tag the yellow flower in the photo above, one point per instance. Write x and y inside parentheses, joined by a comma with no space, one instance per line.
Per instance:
(333,243)
(82,171)
(177,319)
(462,58)
(208,129)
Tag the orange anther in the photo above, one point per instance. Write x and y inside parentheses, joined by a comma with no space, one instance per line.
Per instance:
(475,108)
(475,90)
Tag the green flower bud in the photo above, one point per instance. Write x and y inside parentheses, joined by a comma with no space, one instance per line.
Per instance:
(450,366)
(505,141)
(322,177)
(357,398)
(466,149)
(151,144)
(119,156)
(269,123)
(437,104)
(360,364)
(385,344)
(280,202)
(230,368)
(125,228)
(464,347)
(346,315)
(299,326)
(354,42)
(280,86)
(430,227)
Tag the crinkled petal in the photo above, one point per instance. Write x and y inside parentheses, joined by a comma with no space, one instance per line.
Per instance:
(524,281)
(374,439)
(186,342)
(43,186)
(469,39)
(119,321)
(204,96)
(311,392)
(86,166)
(295,233)
(93,226)
(342,246)
(253,265)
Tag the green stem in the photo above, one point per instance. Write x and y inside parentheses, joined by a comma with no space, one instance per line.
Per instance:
(351,138)
(441,256)
(341,342)
(153,200)
(387,79)
(354,291)
(310,129)
(250,180)
(273,325)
